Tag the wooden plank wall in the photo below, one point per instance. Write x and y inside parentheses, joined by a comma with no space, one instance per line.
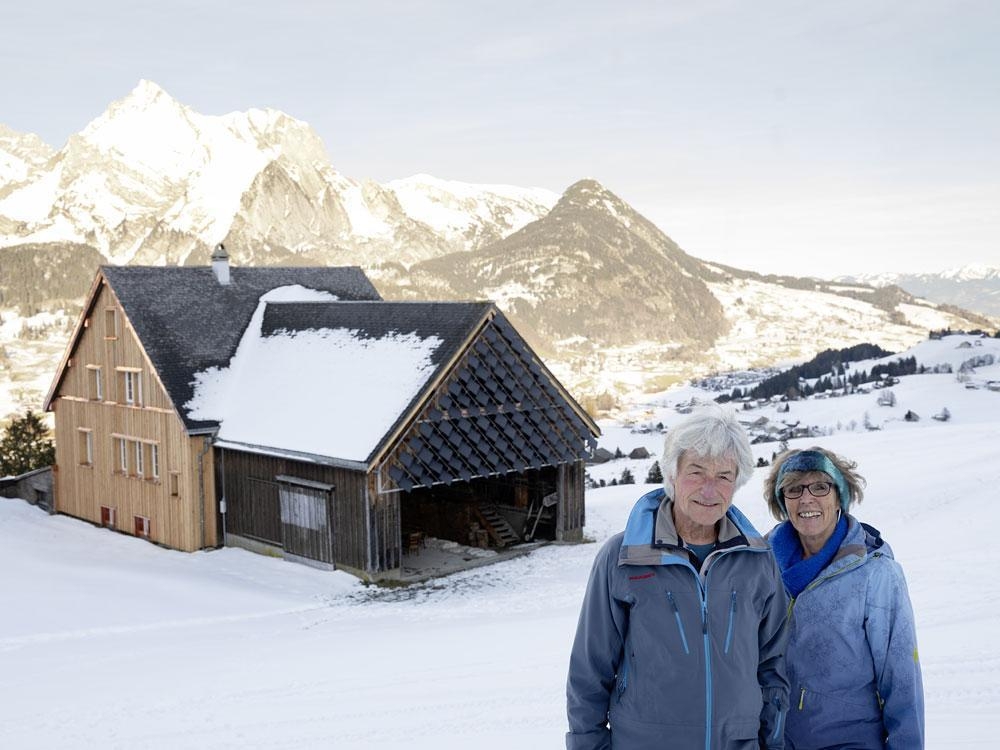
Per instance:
(384,525)
(571,514)
(253,508)
(80,490)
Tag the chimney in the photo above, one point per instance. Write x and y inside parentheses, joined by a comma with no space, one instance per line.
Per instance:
(220,265)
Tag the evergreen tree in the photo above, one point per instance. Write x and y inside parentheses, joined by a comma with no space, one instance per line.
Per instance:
(655,476)
(626,477)
(26,446)
(618,453)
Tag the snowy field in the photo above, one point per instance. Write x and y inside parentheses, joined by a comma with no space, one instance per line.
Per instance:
(107,641)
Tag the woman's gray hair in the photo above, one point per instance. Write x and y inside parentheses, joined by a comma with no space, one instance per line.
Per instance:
(711,432)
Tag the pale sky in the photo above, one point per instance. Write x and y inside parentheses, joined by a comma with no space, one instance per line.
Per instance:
(809,138)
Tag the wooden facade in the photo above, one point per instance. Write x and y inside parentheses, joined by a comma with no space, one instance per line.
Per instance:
(366,527)
(120,445)
(252,483)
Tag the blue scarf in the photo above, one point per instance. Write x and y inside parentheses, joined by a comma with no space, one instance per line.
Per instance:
(796,572)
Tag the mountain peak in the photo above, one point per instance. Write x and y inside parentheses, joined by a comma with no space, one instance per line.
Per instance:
(146,115)
(586,188)
(146,92)
(590,196)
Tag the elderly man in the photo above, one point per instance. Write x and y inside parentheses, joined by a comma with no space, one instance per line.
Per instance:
(681,635)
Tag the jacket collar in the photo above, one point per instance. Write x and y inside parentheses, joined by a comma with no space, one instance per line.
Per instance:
(651,538)
(862,540)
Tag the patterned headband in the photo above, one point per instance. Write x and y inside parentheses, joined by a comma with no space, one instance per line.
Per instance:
(806,461)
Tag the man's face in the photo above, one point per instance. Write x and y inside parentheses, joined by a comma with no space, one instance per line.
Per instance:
(703,490)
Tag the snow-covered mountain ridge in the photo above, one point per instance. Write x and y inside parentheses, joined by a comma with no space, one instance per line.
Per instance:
(609,300)
(151,181)
(974,287)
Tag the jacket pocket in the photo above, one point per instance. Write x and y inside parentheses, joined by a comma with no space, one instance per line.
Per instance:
(772,719)
(623,675)
(680,623)
(779,719)
(732,622)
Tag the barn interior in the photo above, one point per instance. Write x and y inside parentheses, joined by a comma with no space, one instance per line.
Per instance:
(466,524)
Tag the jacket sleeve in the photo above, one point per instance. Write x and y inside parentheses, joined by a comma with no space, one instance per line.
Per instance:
(771,667)
(892,638)
(596,656)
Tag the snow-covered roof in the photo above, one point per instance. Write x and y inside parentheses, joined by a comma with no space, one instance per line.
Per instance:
(187,322)
(329,378)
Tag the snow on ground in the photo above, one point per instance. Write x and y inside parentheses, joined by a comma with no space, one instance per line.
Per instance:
(107,641)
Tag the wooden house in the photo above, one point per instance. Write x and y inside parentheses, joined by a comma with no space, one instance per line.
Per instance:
(292,409)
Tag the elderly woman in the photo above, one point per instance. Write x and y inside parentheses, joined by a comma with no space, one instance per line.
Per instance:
(852,651)
(681,632)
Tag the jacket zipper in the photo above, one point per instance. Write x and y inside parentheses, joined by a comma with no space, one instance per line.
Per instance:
(680,624)
(708,666)
(703,593)
(732,619)
(810,587)
(623,677)
(779,720)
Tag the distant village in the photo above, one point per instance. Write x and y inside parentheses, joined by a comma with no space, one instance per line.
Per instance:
(831,374)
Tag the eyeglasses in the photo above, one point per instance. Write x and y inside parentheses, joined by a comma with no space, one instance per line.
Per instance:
(816,489)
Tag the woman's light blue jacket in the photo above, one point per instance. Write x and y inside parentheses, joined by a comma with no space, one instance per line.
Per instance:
(852,654)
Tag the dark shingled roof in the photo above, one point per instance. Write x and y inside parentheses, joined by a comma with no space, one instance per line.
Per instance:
(188,322)
(451,322)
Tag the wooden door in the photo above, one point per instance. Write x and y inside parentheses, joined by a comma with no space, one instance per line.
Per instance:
(306,520)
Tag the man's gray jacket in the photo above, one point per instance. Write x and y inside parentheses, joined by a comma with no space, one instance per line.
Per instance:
(666,656)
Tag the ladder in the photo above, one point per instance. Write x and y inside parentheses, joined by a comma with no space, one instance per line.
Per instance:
(499,530)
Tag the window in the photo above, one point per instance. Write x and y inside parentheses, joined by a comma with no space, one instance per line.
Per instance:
(107,516)
(142,526)
(110,323)
(132,393)
(175,484)
(139,463)
(154,461)
(86,446)
(95,390)
(122,448)
(130,386)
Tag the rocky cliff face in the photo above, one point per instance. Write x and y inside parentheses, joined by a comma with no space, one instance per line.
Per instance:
(591,269)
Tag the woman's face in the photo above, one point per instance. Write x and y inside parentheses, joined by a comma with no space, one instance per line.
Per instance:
(814,518)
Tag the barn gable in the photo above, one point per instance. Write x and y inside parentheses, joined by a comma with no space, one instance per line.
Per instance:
(498,412)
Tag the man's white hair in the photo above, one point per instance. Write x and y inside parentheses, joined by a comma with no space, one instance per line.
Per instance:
(711,431)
